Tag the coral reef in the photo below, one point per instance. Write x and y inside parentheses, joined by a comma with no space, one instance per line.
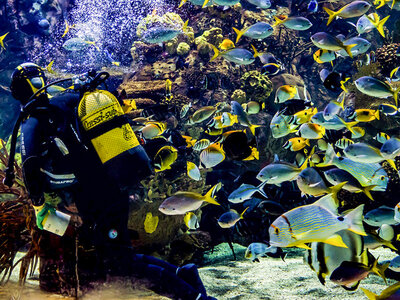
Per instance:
(387,58)
(183,49)
(258,87)
(239,96)
(212,36)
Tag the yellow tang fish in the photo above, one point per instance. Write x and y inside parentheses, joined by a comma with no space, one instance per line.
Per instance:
(150,223)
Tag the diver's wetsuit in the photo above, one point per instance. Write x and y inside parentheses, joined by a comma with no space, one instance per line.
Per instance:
(76,172)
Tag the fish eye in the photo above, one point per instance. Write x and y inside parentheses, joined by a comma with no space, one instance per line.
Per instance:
(277,125)
(382,177)
(276,230)
(340,218)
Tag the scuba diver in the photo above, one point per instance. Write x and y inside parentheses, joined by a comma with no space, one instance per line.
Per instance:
(77,147)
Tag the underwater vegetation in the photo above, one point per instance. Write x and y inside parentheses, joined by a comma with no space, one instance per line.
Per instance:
(270,124)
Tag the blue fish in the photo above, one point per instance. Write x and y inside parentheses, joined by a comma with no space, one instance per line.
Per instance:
(313,6)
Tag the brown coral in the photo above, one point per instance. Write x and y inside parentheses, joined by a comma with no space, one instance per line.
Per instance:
(387,58)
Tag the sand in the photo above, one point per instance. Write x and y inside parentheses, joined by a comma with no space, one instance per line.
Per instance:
(226,278)
(274,279)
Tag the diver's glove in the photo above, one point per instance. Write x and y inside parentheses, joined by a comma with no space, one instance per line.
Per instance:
(42,211)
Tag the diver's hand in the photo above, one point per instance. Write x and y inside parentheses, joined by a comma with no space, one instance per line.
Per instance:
(42,211)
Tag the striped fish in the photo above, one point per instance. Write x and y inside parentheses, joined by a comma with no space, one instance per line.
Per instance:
(381,137)
(317,222)
(343,143)
(201,144)
(324,259)
(366,173)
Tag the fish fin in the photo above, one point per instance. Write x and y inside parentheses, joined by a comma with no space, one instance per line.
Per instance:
(335,240)
(354,220)
(391,73)
(379,26)
(328,202)
(380,269)
(392,163)
(184,27)
(253,128)
(260,189)
(209,197)
(395,96)
(303,246)
(369,294)
(182,2)
(307,142)
(241,215)
(332,15)
(366,190)
(205,3)
(277,21)
(328,158)
(348,48)
(335,190)
(216,52)
(239,34)
(256,54)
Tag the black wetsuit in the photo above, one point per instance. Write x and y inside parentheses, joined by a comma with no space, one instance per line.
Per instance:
(77,175)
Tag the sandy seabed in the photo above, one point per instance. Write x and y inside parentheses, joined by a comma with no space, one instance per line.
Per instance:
(226,278)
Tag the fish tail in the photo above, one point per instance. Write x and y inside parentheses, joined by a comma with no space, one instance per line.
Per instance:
(380,269)
(354,220)
(185,25)
(256,54)
(348,48)
(396,96)
(216,52)
(369,294)
(209,197)
(241,215)
(380,24)
(392,164)
(335,190)
(260,189)
(278,21)
(205,3)
(253,128)
(332,15)
(376,114)
(239,33)
(393,71)
(182,2)
(307,142)
(367,191)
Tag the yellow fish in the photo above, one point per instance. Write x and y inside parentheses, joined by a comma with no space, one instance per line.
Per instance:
(296,143)
(193,171)
(129,104)
(2,40)
(214,131)
(201,144)
(152,129)
(254,154)
(226,44)
(357,132)
(168,89)
(49,67)
(305,115)
(189,140)
(150,223)
(212,155)
(67,29)
(286,92)
(377,22)
(191,221)
(366,115)
(164,158)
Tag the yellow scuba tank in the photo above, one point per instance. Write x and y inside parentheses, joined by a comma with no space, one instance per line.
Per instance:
(111,135)
(95,110)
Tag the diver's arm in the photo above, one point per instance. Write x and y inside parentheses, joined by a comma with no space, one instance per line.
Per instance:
(31,137)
